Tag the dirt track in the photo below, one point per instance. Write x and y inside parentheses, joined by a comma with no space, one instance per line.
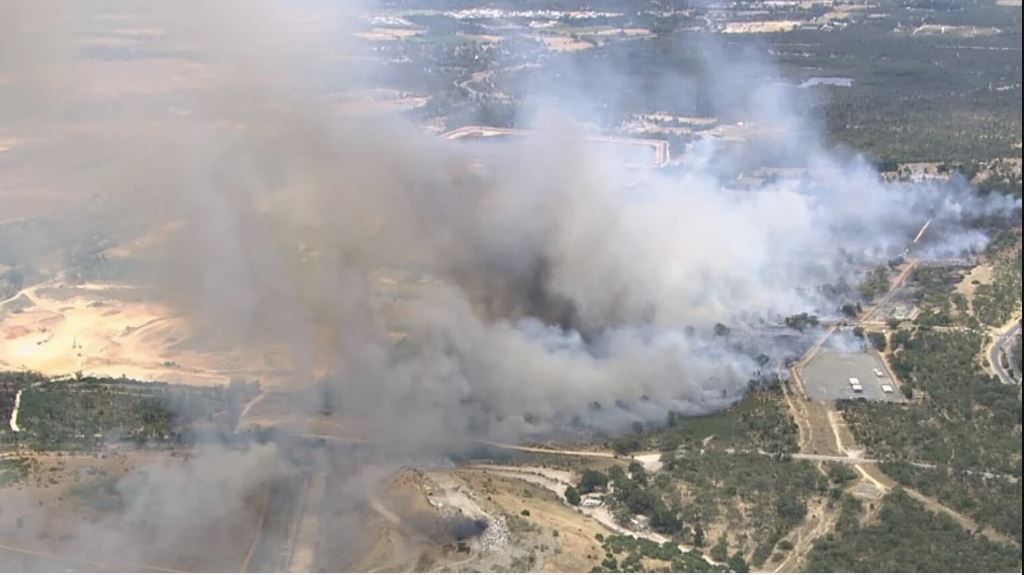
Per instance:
(113,330)
(822,431)
(556,481)
(821,519)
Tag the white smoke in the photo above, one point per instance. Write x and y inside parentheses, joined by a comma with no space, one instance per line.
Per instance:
(565,278)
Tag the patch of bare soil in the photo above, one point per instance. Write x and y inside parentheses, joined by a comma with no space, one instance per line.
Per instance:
(388,550)
(397,530)
(67,513)
(562,43)
(114,330)
(492,518)
(981,274)
(822,440)
(387,34)
(760,27)
(558,537)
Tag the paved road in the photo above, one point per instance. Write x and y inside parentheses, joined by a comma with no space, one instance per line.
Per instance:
(1003,347)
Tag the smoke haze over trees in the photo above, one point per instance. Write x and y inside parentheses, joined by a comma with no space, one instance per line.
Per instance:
(565,278)
(559,289)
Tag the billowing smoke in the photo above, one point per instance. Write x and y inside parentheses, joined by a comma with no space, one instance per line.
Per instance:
(441,292)
(553,287)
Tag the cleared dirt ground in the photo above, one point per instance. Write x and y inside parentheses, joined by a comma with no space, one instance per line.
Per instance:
(63,517)
(981,274)
(563,536)
(113,330)
(504,518)
(397,529)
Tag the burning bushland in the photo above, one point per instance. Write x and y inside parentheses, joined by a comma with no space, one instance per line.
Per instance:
(533,286)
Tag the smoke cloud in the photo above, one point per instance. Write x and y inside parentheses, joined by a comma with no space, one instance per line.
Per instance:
(443,292)
(549,279)
(542,285)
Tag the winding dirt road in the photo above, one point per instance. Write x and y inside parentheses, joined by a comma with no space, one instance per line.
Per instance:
(800,406)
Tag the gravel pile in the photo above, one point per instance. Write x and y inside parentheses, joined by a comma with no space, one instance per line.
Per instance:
(496,536)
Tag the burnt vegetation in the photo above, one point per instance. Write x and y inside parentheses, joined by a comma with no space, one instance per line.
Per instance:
(759,421)
(963,424)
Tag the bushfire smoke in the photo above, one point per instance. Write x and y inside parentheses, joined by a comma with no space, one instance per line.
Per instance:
(558,277)
(442,291)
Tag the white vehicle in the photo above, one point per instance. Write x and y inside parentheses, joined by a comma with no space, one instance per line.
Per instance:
(878,372)
(856,387)
(853,381)
(887,388)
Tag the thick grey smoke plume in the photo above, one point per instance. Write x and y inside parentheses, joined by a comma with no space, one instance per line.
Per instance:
(550,281)
(443,292)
